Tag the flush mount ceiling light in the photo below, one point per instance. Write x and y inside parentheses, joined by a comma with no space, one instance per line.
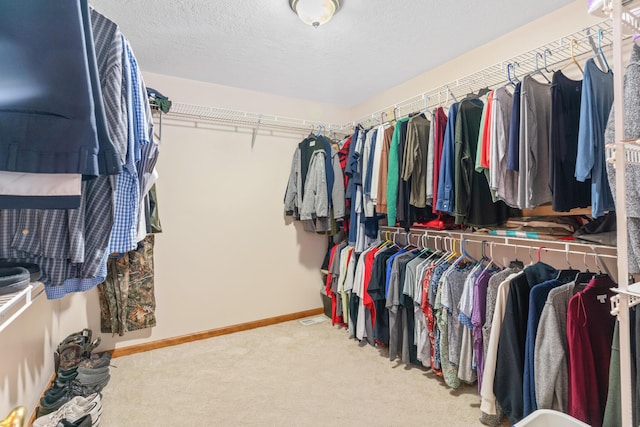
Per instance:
(315,12)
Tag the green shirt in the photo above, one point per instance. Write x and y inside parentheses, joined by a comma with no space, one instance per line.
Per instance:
(393,174)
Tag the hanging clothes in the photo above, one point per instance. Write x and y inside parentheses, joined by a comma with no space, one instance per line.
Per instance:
(508,383)
(567,192)
(502,180)
(595,105)
(446,180)
(533,176)
(393,174)
(589,337)
(550,354)
(439,128)
(381,201)
(473,201)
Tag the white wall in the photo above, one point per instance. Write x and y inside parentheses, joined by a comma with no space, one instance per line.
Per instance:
(227,254)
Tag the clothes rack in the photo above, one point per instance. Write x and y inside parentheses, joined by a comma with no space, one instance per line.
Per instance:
(598,252)
(237,118)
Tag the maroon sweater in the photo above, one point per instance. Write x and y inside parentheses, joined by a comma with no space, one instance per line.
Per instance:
(589,335)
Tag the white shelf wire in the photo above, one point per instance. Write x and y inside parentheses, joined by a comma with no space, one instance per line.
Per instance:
(558,53)
(14,304)
(632,293)
(253,120)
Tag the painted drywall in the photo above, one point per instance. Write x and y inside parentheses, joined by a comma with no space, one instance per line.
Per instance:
(227,254)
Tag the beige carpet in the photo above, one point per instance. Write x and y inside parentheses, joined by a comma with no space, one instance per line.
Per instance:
(282,375)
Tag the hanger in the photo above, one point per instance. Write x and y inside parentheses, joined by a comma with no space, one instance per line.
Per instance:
(583,278)
(512,67)
(516,263)
(450,92)
(463,253)
(544,57)
(538,70)
(484,90)
(568,274)
(540,249)
(573,44)
(600,52)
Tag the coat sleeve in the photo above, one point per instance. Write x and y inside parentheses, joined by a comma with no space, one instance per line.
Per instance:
(315,203)
(291,205)
(338,188)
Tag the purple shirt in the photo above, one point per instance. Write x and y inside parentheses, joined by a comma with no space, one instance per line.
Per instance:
(478,317)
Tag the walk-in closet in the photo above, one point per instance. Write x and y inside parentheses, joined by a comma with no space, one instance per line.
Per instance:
(319,213)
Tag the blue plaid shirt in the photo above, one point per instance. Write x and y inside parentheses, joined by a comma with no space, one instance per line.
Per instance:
(125,220)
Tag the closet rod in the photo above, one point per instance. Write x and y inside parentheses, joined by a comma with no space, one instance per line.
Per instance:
(236,118)
(496,75)
(572,246)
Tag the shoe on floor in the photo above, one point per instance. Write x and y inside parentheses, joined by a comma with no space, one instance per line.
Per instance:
(71,413)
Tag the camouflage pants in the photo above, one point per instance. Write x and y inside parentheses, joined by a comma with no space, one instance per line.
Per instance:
(127,300)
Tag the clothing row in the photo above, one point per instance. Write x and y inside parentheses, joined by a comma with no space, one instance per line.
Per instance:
(77,120)
(532,338)
(315,193)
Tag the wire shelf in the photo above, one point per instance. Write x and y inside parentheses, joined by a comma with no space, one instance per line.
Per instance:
(632,293)
(254,120)
(631,152)
(14,304)
(558,52)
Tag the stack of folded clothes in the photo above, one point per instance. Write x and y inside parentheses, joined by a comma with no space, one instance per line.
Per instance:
(80,377)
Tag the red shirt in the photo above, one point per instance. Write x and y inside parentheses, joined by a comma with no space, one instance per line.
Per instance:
(485,153)
(368,267)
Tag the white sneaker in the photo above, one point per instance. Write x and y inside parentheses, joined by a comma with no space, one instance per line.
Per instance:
(71,412)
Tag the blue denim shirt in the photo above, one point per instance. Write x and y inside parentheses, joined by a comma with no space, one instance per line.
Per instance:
(446,183)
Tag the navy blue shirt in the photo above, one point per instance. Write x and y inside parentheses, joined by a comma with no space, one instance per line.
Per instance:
(446,179)
(513,153)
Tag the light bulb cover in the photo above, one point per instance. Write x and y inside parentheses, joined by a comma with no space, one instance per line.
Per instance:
(315,12)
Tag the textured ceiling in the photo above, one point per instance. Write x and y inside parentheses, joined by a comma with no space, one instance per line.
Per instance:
(368,47)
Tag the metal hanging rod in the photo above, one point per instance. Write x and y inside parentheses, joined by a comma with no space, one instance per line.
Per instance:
(225,116)
(557,52)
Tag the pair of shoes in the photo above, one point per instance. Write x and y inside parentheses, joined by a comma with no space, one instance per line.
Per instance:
(74,412)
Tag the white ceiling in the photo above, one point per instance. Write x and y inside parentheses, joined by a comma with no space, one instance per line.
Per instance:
(368,47)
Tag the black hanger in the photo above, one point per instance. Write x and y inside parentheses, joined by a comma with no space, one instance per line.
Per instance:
(567,275)
(583,278)
(483,91)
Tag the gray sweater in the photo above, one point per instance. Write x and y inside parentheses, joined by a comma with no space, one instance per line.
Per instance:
(631,131)
(550,357)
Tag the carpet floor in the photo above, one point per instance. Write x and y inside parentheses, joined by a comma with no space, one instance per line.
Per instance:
(283,375)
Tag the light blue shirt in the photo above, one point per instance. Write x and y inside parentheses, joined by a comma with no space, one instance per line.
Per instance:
(596,102)
(126,209)
(446,179)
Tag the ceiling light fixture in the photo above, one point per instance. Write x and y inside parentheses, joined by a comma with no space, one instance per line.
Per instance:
(315,12)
